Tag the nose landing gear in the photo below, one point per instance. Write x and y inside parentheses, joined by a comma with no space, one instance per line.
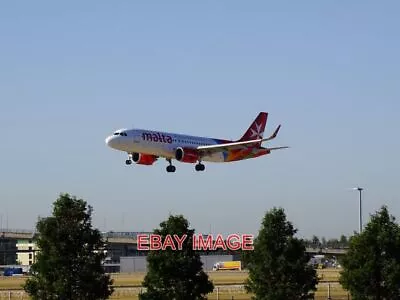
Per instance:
(129,160)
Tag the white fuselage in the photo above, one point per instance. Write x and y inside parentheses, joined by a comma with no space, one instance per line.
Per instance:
(162,144)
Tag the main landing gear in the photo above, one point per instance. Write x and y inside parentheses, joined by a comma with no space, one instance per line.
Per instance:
(170,168)
(200,167)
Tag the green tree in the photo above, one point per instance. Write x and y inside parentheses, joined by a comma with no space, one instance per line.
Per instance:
(315,242)
(371,267)
(343,241)
(69,261)
(177,274)
(278,266)
(332,243)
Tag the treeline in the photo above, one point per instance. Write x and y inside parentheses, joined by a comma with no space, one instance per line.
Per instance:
(316,242)
(69,264)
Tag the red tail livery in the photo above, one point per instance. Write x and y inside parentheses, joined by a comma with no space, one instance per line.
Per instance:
(256,129)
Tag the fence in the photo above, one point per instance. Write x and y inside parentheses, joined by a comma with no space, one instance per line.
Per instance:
(229,292)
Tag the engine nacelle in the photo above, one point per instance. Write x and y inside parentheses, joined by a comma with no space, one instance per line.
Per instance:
(186,155)
(143,159)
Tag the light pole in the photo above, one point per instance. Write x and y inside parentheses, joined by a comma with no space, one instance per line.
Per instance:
(360,217)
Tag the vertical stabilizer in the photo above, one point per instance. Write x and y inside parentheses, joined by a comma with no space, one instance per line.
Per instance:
(256,129)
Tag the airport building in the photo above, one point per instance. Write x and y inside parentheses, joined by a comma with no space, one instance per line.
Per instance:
(123,255)
(26,252)
(19,248)
(8,244)
(8,251)
(121,249)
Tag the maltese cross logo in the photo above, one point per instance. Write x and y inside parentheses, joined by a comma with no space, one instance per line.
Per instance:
(256,132)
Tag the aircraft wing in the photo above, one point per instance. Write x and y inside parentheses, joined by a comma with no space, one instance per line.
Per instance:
(237,145)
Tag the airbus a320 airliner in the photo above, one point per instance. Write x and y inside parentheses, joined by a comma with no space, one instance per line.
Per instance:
(144,147)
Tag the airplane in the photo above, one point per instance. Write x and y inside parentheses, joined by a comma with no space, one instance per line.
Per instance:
(145,147)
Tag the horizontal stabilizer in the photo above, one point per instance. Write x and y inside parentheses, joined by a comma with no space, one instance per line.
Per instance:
(277,148)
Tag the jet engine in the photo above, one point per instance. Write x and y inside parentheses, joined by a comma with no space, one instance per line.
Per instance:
(143,159)
(186,155)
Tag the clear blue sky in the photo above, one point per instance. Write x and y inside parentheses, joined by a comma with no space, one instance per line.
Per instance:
(328,71)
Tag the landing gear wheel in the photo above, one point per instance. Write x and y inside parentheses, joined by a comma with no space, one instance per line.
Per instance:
(128,162)
(200,167)
(171,169)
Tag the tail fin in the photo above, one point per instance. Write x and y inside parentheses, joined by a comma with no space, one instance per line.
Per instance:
(256,129)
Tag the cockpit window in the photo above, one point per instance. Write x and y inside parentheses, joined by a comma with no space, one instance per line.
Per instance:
(120,133)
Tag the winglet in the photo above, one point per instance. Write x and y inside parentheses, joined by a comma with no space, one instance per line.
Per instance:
(274,134)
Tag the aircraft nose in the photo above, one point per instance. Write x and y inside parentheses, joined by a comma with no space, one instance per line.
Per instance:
(111,141)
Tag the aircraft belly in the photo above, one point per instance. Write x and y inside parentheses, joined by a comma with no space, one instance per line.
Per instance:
(215,157)
(157,150)
(166,151)
(146,148)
